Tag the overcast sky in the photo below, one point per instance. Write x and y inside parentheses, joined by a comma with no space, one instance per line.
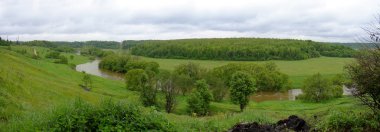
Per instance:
(79,20)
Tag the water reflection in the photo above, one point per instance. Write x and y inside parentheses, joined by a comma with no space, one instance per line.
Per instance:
(93,69)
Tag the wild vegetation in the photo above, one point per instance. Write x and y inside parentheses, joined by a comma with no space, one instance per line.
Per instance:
(24,100)
(316,88)
(247,49)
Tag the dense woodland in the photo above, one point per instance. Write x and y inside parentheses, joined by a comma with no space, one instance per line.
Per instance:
(240,49)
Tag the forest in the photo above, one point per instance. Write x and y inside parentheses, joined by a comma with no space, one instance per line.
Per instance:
(242,49)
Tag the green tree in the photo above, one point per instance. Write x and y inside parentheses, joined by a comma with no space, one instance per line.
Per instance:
(316,88)
(87,81)
(168,88)
(136,79)
(241,87)
(187,75)
(365,75)
(148,94)
(199,101)
(337,85)
(217,86)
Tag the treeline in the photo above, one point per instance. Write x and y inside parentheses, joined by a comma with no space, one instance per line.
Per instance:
(4,42)
(97,44)
(240,49)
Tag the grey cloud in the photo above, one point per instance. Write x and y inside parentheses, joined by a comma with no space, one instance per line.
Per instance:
(322,20)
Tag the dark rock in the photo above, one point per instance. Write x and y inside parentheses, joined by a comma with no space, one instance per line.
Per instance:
(292,123)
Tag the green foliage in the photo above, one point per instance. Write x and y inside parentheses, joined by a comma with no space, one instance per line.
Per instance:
(316,88)
(66,49)
(124,63)
(365,75)
(109,116)
(241,87)
(148,95)
(252,49)
(347,120)
(93,51)
(61,60)
(87,81)
(136,79)
(115,63)
(150,67)
(97,44)
(53,55)
(199,100)
(4,43)
(169,88)
(217,86)
(41,43)
(267,76)
(187,74)
(337,85)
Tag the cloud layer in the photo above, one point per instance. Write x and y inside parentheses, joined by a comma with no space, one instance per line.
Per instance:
(70,20)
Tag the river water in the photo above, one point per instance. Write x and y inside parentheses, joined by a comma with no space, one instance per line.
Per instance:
(93,68)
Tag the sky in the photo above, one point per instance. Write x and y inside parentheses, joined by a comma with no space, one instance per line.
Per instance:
(117,20)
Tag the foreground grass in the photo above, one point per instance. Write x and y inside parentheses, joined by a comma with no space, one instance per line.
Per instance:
(297,70)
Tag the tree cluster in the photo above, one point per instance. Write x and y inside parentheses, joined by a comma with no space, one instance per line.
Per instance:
(317,88)
(122,63)
(252,49)
(58,58)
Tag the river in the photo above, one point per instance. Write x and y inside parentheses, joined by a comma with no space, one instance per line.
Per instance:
(93,69)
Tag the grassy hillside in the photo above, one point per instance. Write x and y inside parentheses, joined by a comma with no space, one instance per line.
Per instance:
(297,70)
(40,84)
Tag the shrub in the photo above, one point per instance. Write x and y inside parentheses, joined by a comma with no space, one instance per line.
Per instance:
(148,95)
(61,60)
(109,116)
(316,88)
(199,101)
(53,55)
(136,79)
(341,120)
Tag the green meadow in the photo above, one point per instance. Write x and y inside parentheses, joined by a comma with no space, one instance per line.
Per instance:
(297,70)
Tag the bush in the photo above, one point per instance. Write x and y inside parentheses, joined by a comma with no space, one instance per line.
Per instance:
(340,120)
(199,101)
(316,89)
(136,79)
(148,95)
(61,60)
(53,55)
(109,116)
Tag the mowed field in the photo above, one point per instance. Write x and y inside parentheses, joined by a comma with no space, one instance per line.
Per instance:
(297,70)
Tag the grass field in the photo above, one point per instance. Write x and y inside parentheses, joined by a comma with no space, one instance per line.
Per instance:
(41,85)
(297,70)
